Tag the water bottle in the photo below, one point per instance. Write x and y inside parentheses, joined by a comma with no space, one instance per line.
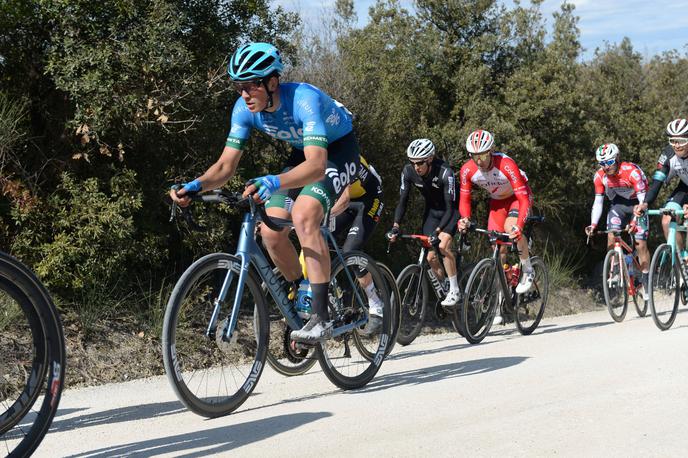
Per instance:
(303,299)
(515,274)
(629,265)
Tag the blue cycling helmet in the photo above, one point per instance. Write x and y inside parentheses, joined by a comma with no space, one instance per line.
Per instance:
(253,61)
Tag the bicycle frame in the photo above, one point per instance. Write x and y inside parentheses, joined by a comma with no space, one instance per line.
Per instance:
(622,248)
(249,253)
(674,227)
(424,264)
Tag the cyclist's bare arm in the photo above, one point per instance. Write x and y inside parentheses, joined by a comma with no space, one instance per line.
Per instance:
(216,176)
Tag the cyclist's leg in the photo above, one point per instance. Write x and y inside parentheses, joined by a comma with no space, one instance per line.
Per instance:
(314,201)
(449,261)
(430,224)
(446,246)
(496,219)
(277,243)
(643,252)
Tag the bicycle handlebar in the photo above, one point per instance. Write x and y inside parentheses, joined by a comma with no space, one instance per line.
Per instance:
(665,211)
(234,199)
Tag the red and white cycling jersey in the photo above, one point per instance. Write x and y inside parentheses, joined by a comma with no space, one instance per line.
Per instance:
(502,181)
(628,182)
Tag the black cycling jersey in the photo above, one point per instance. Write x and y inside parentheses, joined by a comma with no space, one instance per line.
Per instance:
(669,165)
(437,187)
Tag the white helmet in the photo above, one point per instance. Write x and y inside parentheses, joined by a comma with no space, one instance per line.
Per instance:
(607,152)
(677,128)
(421,148)
(480,141)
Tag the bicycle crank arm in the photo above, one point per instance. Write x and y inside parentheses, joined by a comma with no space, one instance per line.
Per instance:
(338,331)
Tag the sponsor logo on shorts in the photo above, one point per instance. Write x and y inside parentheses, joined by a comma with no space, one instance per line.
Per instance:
(323,194)
(615,220)
(341,180)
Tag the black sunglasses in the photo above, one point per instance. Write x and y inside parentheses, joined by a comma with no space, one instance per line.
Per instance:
(248,86)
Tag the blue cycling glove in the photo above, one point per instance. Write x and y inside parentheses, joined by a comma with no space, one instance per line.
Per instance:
(192,186)
(267,185)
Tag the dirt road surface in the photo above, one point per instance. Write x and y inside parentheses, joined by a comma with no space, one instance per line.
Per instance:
(580,386)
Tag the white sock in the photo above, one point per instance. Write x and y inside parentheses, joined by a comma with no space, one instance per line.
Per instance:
(371,293)
(454,283)
(527,266)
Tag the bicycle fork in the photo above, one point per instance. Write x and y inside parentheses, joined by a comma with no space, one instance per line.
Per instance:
(243,253)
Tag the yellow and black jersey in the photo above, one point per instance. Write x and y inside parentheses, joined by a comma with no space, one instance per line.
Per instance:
(368,182)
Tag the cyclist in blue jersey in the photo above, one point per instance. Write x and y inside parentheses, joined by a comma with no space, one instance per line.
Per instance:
(323,162)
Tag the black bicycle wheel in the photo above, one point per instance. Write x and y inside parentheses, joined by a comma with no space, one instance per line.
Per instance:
(615,286)
(480,301)
(395,302)
(210,376)
(530,306)
(457,315)
(282,355)
(353,366)
(639,301)
(32,352)
(414,300)
(664,287)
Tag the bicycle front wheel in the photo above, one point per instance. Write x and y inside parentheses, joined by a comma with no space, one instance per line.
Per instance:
(32,352)
(664,287)
(457,313)
(480,301)
(350,360)
(395,302)
(530,306)
(615,286)
(213,377)
(414,291)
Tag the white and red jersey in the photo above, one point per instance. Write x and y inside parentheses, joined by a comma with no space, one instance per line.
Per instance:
(504,180)
(629,184)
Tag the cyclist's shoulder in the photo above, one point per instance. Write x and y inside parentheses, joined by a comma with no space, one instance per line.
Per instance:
(468,168)
(501,159)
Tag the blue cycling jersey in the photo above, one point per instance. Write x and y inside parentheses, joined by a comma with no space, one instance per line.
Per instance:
(306,116)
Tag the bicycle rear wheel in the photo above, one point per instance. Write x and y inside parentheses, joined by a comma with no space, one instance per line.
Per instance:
(353,366)
(480,301)
(530,306)
(282,356)
(614,285)
(664,287)
(212,377)
(414,291)
(32,352)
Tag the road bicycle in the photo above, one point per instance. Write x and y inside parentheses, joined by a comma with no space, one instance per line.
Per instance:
(621,276)
(32,359)
(284,357)
(668,276)
(216,327)
(417,281)
(489,287)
